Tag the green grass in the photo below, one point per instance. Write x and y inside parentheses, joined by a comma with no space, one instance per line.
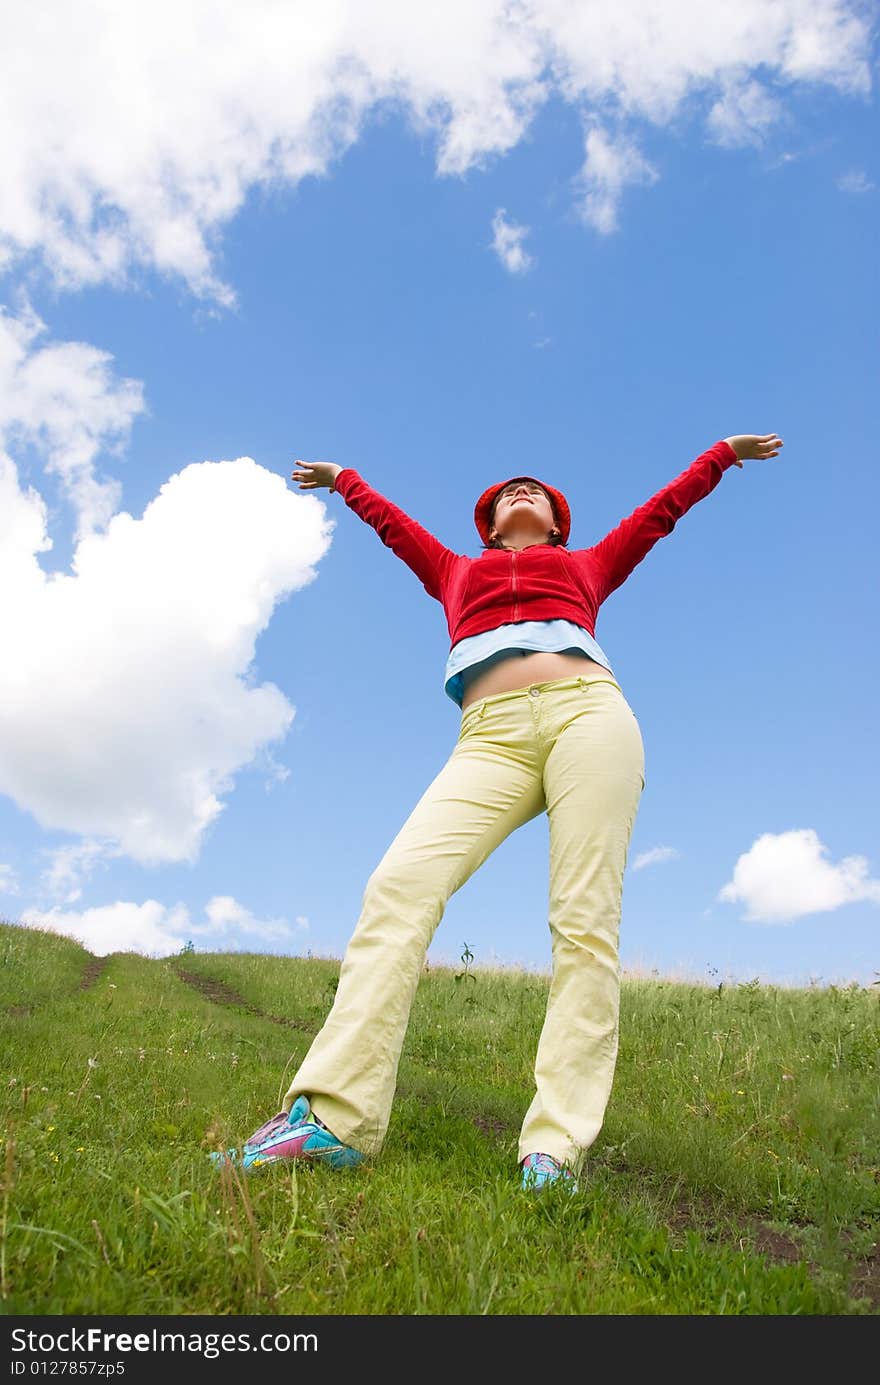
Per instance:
(737,1172)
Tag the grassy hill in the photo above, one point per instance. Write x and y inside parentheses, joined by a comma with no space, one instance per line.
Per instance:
(737,1172)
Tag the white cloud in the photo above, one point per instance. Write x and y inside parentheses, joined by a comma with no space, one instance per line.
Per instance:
(131,134)
(786,875)
(507,242)
(856,180)
(226,917)
(155,930)
(63,398)
(8,880)
(745,111)
(147,928)
(608,167)
(655,856)
(70,866)
(129,695)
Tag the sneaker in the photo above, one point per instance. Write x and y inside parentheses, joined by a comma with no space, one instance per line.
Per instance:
(540,1170)
(299,1135)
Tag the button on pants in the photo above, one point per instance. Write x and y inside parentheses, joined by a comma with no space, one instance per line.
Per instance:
(570,748)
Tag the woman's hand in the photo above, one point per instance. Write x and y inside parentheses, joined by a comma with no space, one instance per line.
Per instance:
(315,475)
(754,446)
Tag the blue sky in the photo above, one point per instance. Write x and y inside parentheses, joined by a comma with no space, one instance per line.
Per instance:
(443,250)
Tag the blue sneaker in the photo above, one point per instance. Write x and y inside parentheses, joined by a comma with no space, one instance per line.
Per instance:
(298,1135)
(540,1170)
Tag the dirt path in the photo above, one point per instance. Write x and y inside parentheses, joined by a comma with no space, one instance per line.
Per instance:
(94,968)
(221,994)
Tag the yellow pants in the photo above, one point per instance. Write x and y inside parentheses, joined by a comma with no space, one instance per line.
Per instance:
(572,748)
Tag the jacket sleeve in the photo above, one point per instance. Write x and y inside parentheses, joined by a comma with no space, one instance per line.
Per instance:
(426,556)
(625,546)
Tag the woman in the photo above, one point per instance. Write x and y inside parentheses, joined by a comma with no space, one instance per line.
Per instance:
(545,728)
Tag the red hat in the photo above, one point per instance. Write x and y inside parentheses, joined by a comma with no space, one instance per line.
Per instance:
(486,504)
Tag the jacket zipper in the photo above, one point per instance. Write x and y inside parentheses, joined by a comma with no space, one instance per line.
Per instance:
(515,591)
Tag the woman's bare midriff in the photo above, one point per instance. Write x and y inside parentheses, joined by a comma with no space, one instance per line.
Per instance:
(521,670)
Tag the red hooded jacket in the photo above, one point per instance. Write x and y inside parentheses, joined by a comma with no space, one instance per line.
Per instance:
(541,582)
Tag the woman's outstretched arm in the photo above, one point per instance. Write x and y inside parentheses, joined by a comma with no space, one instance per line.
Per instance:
(423,554)
(627,544)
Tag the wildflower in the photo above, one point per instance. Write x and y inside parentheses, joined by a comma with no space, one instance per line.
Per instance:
(93,1062)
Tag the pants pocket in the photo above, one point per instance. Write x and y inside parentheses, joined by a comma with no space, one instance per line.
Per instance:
(471,718)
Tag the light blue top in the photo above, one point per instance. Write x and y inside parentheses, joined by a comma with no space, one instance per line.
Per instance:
(478,652)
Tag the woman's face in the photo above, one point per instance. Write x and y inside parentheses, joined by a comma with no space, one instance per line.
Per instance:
(523,505)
